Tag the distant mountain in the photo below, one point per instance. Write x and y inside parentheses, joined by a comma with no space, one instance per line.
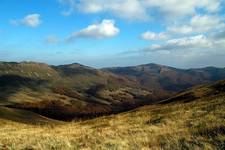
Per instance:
(74,90)
(154,76)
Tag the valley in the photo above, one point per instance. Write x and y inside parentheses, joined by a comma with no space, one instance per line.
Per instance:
(193,119)
(73,91)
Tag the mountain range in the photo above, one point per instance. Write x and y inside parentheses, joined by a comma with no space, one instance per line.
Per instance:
(66,92)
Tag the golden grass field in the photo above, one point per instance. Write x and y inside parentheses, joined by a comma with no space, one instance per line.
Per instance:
(198,124)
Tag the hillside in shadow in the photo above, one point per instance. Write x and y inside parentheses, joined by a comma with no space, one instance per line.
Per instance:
(11,84)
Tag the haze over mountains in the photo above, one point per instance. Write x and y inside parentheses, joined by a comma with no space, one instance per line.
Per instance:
(68,91)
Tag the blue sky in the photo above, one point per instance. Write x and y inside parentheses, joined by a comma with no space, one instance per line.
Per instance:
(102,33)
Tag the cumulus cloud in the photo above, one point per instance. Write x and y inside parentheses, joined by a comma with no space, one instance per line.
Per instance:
(31,20)
(184,7)
(127,9)
(185,43)
(184,29)
(105,29)
(199,24)
(148,35)
(140,9)
(204,23)
(193,41)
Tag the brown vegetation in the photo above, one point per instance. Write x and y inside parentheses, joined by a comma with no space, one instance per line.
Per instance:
(198,123)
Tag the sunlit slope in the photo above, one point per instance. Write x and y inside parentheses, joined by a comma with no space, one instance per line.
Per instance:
(199,92)
(196,123)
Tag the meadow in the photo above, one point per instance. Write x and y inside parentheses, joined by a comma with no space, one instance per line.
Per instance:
(198,124)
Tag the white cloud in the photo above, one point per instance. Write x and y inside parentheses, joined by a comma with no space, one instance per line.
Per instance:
(127,9)
(185,43)
(193,41)
(141,9)
(94,7)
(185,29)
(148,35)
(204,23)
(31,20)
(199,24)
(183,7)
(105,29)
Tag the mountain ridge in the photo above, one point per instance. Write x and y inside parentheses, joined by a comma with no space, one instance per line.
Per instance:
(77,90)
(102,68)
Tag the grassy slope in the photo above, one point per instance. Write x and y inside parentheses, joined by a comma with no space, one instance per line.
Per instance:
(196,123)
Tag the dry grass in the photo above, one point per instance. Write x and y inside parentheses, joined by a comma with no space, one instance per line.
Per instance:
(195,125)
